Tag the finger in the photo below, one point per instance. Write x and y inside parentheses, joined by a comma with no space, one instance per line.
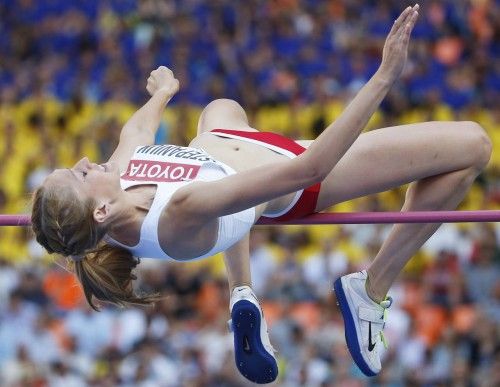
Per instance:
(410,20)
(399,21)
(404,19)
(409,26)
(165,69)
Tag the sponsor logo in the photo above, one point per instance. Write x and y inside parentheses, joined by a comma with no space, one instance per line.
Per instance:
(246,344)
(371,345)
(161,171)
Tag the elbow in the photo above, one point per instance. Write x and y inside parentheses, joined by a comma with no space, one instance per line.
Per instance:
(317,174)
(313,171)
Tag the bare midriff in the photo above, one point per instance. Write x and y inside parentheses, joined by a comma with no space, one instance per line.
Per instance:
(241,156)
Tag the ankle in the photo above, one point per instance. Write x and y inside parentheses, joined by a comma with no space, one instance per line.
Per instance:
(240,285)
(372,293)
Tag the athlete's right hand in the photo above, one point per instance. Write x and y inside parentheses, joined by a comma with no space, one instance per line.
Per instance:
(396,45)
(162,79)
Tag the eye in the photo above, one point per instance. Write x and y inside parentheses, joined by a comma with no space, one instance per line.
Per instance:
(84,174)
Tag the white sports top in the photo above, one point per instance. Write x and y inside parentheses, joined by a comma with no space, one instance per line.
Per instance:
(171,167)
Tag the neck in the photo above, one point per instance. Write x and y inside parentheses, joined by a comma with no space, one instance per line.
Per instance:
(130,210)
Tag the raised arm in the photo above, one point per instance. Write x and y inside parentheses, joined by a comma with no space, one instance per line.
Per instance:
(141,128)
(324,153)
(259,185)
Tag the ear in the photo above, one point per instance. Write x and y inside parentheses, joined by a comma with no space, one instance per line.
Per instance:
(102,212)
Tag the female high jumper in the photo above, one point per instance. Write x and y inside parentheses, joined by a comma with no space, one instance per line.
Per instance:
(185,203)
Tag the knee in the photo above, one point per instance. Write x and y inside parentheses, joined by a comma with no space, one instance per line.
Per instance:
(222,113)
(478,143)
(223,104)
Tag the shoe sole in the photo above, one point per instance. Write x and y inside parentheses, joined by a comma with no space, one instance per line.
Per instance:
(252,360)
(351,336)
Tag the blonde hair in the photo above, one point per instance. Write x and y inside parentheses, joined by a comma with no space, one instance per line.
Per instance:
(64,224)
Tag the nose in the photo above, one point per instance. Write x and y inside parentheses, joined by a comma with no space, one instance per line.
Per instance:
(83,164)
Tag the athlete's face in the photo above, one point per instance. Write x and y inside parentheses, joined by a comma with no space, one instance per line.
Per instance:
(90,180)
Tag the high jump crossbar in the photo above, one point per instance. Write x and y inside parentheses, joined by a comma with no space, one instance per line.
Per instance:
(347,218)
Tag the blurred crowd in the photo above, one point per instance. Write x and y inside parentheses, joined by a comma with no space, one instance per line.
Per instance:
(73,72)
(256,51)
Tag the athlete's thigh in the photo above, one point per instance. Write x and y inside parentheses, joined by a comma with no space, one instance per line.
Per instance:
(223,114)
(386,158)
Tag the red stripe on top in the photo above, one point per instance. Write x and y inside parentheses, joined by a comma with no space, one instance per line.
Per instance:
(267,137)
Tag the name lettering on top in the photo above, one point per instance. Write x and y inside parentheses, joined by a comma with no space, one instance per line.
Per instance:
(174,151)
(161,171)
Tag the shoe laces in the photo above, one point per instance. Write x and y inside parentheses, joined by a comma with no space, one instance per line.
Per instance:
(385,304)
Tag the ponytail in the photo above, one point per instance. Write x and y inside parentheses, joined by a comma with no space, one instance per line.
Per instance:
(105,273)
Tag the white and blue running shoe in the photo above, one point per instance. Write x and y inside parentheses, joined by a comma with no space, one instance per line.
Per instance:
(364,321)
(254,353)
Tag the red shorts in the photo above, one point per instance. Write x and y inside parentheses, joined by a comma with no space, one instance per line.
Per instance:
(305,201)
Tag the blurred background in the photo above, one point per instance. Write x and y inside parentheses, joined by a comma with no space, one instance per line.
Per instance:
(71,74)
